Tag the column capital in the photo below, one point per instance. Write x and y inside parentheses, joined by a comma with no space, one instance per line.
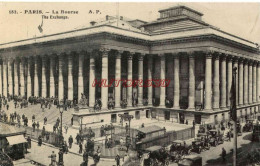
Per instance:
(191,54)
(241,60)
(118,54)
(250,62)
(130,55)
(255,63)
(216,56)
(161,54)
(209,54)
(44,58)
(141,57)
(104,51)
(235,59)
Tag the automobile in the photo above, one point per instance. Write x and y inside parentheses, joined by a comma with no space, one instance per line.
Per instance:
(215,137)
(155,155)
(248,126)
(198,145)
(178,149)
(192,160)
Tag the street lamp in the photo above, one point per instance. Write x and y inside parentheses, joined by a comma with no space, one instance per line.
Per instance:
(128,118)
(81,125)
(61,112)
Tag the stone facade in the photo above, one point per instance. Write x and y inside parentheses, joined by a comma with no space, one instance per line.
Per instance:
(196,57)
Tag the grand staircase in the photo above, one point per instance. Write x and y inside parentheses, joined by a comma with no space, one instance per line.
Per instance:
(52,114)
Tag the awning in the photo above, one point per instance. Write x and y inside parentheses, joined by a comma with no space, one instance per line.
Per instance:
(18,139)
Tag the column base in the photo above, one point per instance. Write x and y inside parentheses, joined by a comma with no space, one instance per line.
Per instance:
(176,107)
(208,109)
(150,105)
(216,109)
(162,106)
(140,105)
(190,109)
(223,108)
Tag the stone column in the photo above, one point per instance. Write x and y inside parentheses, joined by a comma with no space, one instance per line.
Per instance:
(191,102)
(229,79)
(5,77)
(70,77)
(29,79)
(176,86)
(223,99)
(162,77)
(44,85)
(52,80)
(246,82)
(216,83)
(240,82)
(22,78)
(254,82)
(140,77)
(150,77)
(92,90)
(16,82)
(80,76)
(250,81)
(130,78)
(61,85)
(236,65)
(36,80)
(10,78)
(104,76)
(258,83)
(118,78)
(208,81)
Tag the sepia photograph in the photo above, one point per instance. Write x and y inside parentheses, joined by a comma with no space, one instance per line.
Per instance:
(130,83)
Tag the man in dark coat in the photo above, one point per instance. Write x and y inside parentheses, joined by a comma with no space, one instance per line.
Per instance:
(70,141)
(117,160)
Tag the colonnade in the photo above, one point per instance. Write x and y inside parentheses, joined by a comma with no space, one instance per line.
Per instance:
(19,76)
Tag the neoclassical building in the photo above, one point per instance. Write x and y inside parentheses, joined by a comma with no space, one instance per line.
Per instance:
(179,46)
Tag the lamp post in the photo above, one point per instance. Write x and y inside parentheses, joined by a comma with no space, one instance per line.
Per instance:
(81,125)
(128,118)
(61,112)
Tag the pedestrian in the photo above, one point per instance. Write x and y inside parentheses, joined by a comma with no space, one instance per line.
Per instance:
(223,154)
(78,138)
(61,157)
(43,131)
(33,125)
(85,156)
(121,143)
(38,125)
(33,118)
(53,159)
(80,147)
(117,160)
(66,129)
(54,128)
(29,141)
(45,120)
(70,141)
(39,141)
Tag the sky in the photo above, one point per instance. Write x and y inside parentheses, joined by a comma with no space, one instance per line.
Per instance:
(240,19)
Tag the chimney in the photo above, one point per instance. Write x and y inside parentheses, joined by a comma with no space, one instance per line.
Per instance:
(93,23)
(121,17)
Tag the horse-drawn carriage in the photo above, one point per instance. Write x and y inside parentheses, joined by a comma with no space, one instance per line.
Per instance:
(215,137)
(178,149)
(201,143)
(155,156)
(248,126)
